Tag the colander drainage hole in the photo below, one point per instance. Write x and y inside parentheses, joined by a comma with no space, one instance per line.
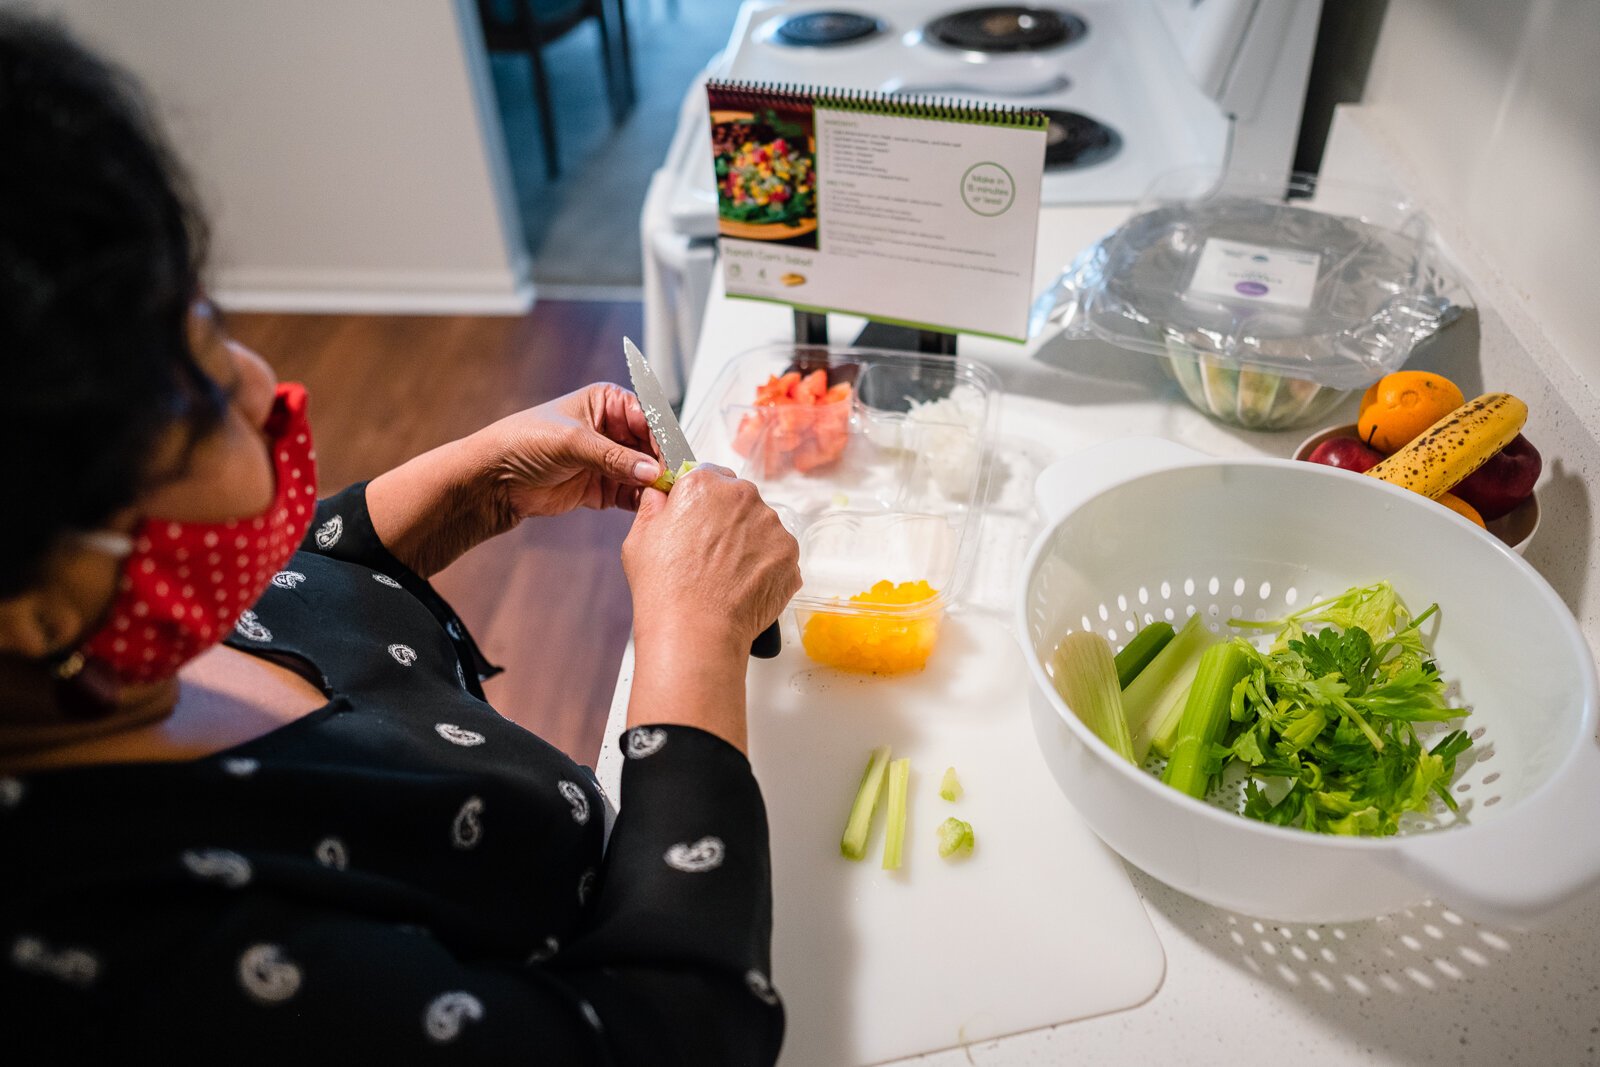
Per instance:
(1214,585)
(1238,587)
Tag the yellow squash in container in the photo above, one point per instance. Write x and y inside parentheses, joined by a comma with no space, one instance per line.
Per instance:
(887,643)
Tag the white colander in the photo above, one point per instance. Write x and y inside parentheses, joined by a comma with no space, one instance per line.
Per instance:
(1143,529)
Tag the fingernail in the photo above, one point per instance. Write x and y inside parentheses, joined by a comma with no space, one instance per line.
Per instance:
(645,471)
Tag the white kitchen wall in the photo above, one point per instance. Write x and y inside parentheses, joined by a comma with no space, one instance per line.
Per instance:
(345,150)
(1496,106)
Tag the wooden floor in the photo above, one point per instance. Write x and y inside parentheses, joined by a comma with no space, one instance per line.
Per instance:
(547,601)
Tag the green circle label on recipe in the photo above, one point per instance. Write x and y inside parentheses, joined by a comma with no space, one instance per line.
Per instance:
(987,189)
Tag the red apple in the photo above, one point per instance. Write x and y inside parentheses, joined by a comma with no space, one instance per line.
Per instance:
(1347,453)
(1506,480)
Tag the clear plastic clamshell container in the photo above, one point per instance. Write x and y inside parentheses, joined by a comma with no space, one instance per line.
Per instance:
(879,472)
(1270,305)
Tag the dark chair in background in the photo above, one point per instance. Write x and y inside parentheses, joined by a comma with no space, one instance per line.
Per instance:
(529,25)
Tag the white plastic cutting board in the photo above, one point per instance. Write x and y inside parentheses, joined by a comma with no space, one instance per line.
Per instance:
(1039,926)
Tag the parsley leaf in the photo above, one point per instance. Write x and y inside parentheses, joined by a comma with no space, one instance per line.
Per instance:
(1326,721)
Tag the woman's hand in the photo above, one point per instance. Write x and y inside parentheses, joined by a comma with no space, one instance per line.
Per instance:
(591,448)
(710,567)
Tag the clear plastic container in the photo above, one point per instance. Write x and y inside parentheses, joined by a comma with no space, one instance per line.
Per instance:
(1267,308)
(900,501)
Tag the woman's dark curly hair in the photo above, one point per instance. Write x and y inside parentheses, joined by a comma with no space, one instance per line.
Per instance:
(100,253)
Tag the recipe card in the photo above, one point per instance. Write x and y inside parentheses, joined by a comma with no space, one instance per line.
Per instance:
(900,210)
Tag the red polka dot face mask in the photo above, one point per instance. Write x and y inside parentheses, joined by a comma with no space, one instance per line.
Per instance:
(186,584)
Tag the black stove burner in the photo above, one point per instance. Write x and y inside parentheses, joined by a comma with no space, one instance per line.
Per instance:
(822,29)
(1075,140)
(1010,28)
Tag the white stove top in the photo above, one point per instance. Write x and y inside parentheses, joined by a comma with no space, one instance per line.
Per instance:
(1125,72)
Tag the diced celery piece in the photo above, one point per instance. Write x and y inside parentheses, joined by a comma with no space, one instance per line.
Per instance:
(854,843)
(1137,654)
(1085,674)
(895,835)
(950,785)
(1161,686)
(955,839)
(1205,718)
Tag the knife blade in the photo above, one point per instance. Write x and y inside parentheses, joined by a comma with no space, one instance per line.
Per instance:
(675,451)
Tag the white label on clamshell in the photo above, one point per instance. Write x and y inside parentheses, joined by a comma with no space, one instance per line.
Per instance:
(1251,273)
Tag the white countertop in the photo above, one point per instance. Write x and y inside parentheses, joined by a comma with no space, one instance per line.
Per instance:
(1421,987)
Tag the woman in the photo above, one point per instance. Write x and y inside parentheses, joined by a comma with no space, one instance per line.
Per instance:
(252,803)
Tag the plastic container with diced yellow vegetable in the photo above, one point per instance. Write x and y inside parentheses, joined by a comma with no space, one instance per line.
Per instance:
(877,463)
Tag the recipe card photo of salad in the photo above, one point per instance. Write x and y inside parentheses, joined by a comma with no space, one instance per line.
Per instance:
(766,167)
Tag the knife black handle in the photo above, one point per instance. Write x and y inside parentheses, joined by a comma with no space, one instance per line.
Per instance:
(768,643)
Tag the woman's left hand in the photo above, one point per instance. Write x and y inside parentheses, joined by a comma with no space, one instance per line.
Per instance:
(591,448)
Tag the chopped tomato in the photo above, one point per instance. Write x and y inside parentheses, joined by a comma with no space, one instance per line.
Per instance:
(799,422)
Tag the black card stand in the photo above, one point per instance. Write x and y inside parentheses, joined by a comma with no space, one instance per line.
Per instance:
(810,327)
(925,382)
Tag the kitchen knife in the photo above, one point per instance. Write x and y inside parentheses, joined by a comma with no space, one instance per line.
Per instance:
(675,451)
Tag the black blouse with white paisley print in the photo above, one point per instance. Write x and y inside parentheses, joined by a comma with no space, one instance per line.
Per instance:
(403,873)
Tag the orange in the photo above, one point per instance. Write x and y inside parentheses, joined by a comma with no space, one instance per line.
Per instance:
(1399,406)
(1461,507)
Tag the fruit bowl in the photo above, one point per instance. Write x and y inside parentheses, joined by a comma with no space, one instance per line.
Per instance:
(1515,528)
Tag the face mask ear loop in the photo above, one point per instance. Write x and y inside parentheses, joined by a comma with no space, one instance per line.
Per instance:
(67,665)
(114,544)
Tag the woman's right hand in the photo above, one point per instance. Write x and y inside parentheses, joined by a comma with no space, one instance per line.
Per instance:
(710,566)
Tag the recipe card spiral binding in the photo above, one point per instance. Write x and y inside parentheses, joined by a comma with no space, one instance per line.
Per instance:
(753,95)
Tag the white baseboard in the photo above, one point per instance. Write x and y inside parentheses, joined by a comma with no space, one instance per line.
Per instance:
(374,292)
(588,293)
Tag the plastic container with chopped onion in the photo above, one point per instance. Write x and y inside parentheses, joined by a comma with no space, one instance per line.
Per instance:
(876,461)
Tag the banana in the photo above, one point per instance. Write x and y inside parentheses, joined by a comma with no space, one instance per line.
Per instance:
(1455,446)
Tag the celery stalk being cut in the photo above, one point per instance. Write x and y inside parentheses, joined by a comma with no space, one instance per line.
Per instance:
(1154,698)
(1205,718)
(895,833)
(1085,674)
(854,843)
(667,478)
(1137,654)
